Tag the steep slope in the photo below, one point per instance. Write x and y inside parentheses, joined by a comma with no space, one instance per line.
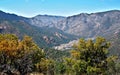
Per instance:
(13,17)
(91,25)
(115,42)
(55,30)
(82,25)
(44,37)
(45,20)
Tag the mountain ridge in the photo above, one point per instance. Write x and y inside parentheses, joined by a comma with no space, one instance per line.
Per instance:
(44,37)
(56,30)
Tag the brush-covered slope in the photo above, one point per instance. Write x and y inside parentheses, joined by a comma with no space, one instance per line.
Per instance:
(43,36)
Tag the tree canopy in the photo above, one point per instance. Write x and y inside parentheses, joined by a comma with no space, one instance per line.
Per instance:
(18,55)
(89,57)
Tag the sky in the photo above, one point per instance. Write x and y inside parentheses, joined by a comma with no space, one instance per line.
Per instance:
(30,8)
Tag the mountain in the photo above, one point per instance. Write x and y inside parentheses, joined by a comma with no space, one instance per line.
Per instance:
(82,25)
(43,36)
(9,16)
(91,25)
(106,24)
(45,20)
(115,42)
(49,31)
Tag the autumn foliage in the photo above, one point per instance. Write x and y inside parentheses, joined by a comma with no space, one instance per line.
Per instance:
(16,53)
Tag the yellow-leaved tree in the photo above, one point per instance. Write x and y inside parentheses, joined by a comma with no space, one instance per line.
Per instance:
(18,55)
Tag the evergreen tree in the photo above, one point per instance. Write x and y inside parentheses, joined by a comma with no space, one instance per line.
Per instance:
(88,57)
